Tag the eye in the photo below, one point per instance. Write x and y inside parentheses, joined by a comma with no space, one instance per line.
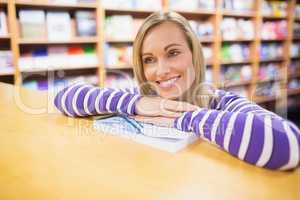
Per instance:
(173,52)
(148,60)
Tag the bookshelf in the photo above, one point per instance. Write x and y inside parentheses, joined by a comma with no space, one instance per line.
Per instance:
(215,42)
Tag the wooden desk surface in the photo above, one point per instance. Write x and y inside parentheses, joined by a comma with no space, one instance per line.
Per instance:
(50,156)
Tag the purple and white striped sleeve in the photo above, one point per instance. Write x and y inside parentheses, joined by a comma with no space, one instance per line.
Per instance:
(247,131)
(79,100)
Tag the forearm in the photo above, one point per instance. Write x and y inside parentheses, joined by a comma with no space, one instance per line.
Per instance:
(265,141)
(84,100)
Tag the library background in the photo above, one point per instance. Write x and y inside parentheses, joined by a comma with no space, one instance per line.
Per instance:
(251,47)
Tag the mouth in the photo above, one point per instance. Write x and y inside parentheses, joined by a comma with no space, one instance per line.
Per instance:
(169,82)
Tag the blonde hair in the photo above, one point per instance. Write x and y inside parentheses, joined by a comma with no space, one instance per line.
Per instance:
(199,93)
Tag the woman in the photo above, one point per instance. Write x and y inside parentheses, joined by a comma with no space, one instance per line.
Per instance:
(170,70)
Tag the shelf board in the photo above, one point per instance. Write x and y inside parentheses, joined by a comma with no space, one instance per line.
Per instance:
(272,60)
(295,57)
(241,14)
(294,74)
(238,40)
(58,68)
(297,19)
(269,80)
(134,12)
(43,4)
(273,40)
(236,62)
(272,17)
(296,37)
(208,39)
(7,72)
(127,67)
(77,40)
(237,84)
(3,2)
(6,37)
(264,99)
(119,41)
(198,12)
(294,91)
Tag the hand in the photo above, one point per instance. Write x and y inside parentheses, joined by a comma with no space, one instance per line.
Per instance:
(158,121)
(157,106)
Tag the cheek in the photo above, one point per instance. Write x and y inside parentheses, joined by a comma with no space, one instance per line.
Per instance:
(149,73)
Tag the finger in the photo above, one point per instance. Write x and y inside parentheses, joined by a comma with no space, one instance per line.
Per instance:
(178,106)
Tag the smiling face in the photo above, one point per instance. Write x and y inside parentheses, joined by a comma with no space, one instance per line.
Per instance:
(167,60)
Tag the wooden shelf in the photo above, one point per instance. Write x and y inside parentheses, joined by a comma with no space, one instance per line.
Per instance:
(294,75)
(272,17)
(268,80)
(236,62)
(119,41)
(42,4)
(238,40)
(264,99)
(240,14)
(273,40)
(196,13)
(57,68)
(296,37)
(7,37)
(135,13)
(237,84)
(77,40)
(7,73)
(126,67)
(272,60)
(3,2)
(208,39)
(294,91)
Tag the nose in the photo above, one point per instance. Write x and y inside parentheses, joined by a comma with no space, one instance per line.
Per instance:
(162,68)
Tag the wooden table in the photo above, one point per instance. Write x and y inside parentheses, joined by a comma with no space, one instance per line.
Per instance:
(45,155)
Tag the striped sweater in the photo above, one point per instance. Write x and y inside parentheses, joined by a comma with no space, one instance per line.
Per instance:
(233,123)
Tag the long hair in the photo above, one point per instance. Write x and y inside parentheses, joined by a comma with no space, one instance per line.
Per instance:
(200,93)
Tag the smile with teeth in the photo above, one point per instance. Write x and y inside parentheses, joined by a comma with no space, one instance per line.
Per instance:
(168,83)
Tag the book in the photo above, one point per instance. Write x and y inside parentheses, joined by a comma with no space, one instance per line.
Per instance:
(3,23)
(85,23)
(163,138)
(32,23)
(59,26)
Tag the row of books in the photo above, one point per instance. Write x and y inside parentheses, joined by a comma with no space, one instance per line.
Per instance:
(297,11)
(117,56)
(294,83)
(120,81)
(271,51)
(233,28)
(237,5)
(295,50)
(56,26)
(235,52)
(269,71)
(202,28)
(3,23)
(274,30)
(125,24)
(133,4)
(6,62)
(58,83)
(234,74)
(294,67)
(297,30)
(269,89)
(275,8)
(58,57)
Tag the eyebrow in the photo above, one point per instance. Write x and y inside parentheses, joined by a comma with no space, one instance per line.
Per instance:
(171,45)
(166,48)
